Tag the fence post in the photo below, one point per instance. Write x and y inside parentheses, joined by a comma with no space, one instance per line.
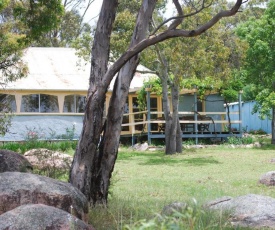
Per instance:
(148,116)
(196,115)
(240,112)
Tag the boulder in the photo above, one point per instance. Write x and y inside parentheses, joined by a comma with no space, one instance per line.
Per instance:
(171,208)
(40,216)
(17,189)
(45,158)
(268,178)
(13,162)
(141,147)
(252,211)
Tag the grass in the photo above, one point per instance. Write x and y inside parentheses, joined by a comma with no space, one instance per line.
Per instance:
(144,182)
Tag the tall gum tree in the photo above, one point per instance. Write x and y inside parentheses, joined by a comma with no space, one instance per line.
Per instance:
(95,158)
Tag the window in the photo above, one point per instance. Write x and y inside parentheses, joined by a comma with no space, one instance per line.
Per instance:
(39,103)
(154,107)
(48,104)
(137,117)
(125,119)
(30,103)
(74,104)
(7,103)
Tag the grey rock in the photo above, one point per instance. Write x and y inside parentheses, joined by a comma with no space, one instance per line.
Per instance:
(40,216)
(268,178)
(252,211)
(13,162)
(141,147)
(171,208)
(219,203)
(17,189)
(257,144)
(45,158)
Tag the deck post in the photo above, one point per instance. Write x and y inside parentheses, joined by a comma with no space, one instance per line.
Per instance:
(148,116)
(240,112)
(196,115)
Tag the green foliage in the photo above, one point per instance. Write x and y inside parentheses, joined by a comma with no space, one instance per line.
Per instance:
(265,100)
(189,142)
(21,22)
(83,44)
(249,92)
(3,4)
(192,217)
(38,17)
(257,132)
(260,57)
(240,140)
(154,85)
(22,147)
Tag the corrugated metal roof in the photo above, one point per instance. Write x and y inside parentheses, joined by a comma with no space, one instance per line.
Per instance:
(60,69)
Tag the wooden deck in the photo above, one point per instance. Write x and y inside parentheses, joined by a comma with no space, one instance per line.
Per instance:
(193,125)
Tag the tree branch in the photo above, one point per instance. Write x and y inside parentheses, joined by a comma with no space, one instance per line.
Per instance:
(181,17)
(152,40)
(178,20)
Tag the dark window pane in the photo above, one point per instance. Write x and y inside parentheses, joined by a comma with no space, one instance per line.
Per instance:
(154,104)
(7,103)
(30,103)
(137,117)
(48,104)
(69,104)
(154,107)
(74,104)
(125,118)
(80,103)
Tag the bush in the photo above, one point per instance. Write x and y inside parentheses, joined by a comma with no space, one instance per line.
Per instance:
(22,147)
(240,140)
(191,218)
(257,132)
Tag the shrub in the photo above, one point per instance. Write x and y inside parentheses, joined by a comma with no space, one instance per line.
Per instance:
(191,218)
(240,140)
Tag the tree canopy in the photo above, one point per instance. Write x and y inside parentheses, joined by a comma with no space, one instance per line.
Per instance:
(21,22)
(259,66)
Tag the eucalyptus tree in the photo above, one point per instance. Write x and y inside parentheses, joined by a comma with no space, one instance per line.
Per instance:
(97,148)
(21,22)
(73,25)
(260,57)
(205,62)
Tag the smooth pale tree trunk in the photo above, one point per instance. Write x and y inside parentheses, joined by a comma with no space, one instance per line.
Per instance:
(173,133)
(173,139)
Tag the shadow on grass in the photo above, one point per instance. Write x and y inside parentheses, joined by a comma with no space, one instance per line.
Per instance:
(267,147)
(131,154)
(197,161)
(159,158)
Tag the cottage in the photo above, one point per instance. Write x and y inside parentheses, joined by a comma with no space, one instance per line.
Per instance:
(49,102)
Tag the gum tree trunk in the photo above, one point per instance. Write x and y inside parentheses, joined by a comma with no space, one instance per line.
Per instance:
(84,169)
(173,139)
(102,160)
(110,141)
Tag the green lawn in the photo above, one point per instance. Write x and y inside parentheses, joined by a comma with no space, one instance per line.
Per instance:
(144,182)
